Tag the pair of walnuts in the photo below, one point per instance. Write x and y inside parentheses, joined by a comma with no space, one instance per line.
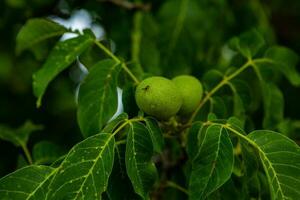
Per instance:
(163,98)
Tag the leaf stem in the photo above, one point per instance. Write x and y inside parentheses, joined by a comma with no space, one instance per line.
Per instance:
(217,87)
(27,154)
(178,187)
(115,58)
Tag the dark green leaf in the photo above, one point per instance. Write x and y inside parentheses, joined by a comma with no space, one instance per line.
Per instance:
(36,31)
(85,171)
(139,150)
(273,105)
(155,133)
(98,100)
(192,146)
(213,165)
(63,54)
(19,137)
(46,152)
(248,44)
(284,60)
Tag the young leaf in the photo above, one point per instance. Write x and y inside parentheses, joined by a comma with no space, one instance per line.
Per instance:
(139,150)
(19,137)
(46,152)
(280,158)
(63,54)
(213,165)
(98,99)
(26,183)
(36,31)
(155,133)
(85,171)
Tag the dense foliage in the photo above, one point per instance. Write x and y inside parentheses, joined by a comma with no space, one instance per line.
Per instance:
(240,142)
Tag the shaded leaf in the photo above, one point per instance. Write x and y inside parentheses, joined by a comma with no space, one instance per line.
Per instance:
(155,133)
(284,60)
(46,152)
(98,99)
(20,136)
(248,43)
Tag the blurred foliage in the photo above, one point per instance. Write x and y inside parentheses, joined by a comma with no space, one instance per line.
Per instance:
(192,46)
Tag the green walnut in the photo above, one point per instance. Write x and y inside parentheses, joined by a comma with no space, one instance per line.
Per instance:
(159,97)
(191,91)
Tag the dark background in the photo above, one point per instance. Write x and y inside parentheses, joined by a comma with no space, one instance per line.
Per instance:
(281,19)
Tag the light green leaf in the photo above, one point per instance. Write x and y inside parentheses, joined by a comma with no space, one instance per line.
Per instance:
(280,157)
(46,152)
(139,150)
(155,133)
(85,171)
(98,100)
(284,60)
(63,54)
(213,164)
(20,136)
(36,31)
(28,183)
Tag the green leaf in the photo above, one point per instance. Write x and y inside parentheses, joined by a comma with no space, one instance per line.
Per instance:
(139,150)
(46,152)
(155,133)
(280,158)
(213,164)
(85,171)
(273,106)
(284,60)
(98,99)
(20,136)
(27,183)
(36,31)
(248,43)
(63,54)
